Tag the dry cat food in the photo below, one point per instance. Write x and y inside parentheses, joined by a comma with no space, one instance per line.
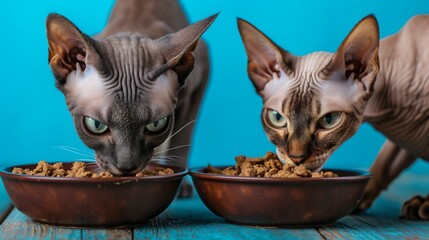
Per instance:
(268,166)
(78,171)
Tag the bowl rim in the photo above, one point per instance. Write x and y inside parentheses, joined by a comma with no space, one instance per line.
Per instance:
(361,175)
(6,172)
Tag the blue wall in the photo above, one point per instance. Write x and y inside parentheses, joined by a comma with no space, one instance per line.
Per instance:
(34,120)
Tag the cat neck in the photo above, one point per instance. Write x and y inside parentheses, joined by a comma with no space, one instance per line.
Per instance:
(152,18)
(377,107)
(398,107)
(393,88)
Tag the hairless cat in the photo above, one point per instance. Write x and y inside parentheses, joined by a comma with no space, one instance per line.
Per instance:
(133,90)
(313,103)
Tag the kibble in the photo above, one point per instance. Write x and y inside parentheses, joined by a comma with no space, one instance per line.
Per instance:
(268,166)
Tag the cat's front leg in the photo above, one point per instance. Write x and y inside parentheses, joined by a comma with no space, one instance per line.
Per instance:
(390,162)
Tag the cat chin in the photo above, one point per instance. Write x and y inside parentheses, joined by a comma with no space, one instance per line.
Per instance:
(310,165)
(115,170)
(315,164)
(284,159)
(109,167)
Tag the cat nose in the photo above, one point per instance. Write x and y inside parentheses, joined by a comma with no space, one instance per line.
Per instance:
(297,159)
(127,168)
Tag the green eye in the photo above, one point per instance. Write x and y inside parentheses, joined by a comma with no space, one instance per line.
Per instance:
(94,126)
(157,126)
(276,119)
(330,120)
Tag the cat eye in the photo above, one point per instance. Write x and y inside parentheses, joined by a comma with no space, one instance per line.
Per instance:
(157,126)
(276,119)
(94,126)
(330,120)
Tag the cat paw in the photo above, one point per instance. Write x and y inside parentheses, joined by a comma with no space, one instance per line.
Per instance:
(186,190)
(368,198)
(363,205)
(357,210)
(417,208)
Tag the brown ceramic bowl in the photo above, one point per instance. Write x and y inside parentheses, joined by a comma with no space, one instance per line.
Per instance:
(283,202)
(87,202)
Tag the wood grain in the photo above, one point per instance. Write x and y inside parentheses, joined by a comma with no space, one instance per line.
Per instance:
(107,234)
(190,219)
(358,227)
(19,226)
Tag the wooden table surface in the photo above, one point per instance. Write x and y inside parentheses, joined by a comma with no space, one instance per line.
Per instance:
(190,219)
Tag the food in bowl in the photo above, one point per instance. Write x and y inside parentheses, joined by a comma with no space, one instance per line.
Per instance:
(78,170)
(92,202)
(283,202)
(268,166)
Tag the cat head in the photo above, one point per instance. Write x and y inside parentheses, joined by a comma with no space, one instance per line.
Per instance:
(312,103)
(122,90)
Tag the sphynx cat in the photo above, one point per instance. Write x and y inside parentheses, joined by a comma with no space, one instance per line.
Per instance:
(313,103)
(133,90)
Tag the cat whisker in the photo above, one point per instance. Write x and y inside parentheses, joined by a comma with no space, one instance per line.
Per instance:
(187,145)
(165,158)
(169,156)
(70,147)
(174,156)
(75,149)
(161,154)
(180,129)
(156,160)
(84,160)
(65,148)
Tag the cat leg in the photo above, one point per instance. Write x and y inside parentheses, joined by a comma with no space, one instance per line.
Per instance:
(390,162)
(417,208)
(186,113)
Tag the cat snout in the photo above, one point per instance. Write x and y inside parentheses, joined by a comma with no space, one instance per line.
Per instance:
(297,159)
(129,168)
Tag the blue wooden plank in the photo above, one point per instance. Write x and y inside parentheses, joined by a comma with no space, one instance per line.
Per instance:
(405,187)
(370,227)
(382,221)
(107,234)
(5,204)
(190,219)
(19,226)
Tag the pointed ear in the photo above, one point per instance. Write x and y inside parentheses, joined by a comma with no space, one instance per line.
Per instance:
(68,47)
(265,57)
(358,53)
(177,49)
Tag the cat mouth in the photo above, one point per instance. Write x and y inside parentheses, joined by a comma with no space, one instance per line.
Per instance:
(314,162)
(116,171)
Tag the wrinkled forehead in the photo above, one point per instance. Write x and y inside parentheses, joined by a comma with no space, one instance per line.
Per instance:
(338,94)
(301,86)
(129,60)
(305,89)
(299,105)
(122,77)
(136,113)
(88,93)
(133,49)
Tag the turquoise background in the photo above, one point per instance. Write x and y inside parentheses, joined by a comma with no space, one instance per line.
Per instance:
(35,121)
